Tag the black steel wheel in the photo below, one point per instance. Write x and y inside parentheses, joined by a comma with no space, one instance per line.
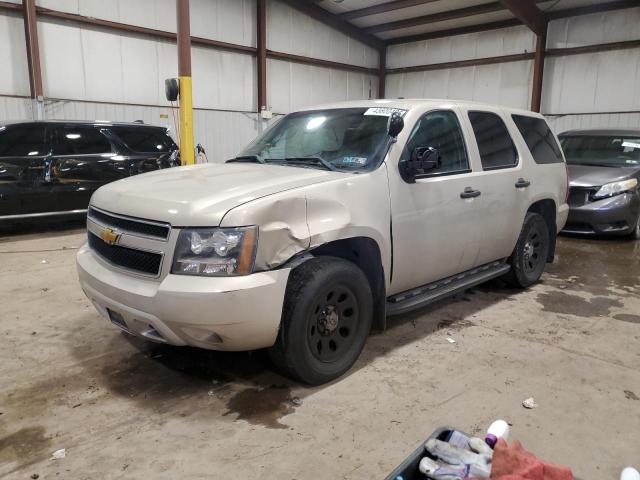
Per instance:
(326,319)
(529,257)
(534,248)
(334,323)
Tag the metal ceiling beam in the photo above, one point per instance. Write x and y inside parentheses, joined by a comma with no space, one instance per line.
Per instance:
(290,57)
(601,47)
(517,57)
(450,32)
(597,8)
(309,7)
(570,12)
(528,13)
(10,6)
(438,17)
(382,8)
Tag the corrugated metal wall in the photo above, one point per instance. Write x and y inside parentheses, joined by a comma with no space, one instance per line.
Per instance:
(95,73)
(586,84)
(292,86)
(579,91)
(108,75)
(506,83)
(14,79)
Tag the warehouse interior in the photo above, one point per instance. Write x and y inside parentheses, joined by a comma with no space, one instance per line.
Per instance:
(118,406)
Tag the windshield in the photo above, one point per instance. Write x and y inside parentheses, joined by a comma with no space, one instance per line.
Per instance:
(347,139)
(610,151)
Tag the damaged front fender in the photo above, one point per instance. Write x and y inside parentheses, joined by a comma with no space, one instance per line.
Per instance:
(282,219)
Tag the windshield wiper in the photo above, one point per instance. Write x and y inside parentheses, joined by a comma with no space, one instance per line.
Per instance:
(246,158)
(316,160)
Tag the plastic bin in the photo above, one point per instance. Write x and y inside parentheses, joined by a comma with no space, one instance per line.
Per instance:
(408,469)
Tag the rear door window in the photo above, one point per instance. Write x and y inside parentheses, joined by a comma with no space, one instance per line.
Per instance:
(539,138)
(145,140)
(22,141)
(81,141)
(496,147)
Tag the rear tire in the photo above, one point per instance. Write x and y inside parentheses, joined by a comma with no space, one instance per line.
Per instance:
(529,258)
(326,319)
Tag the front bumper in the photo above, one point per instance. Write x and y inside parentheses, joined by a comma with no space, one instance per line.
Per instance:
(216,313)
(616,215)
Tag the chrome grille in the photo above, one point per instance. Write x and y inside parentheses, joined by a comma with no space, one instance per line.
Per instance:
(132,259)
(131,225)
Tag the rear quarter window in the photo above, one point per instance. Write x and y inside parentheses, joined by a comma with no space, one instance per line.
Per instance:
(145,140)
(539,139)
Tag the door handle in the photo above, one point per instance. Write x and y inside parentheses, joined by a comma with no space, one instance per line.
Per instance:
(470,193)
(522,183)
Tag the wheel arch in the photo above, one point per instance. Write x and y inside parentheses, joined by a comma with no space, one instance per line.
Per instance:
(547,209)
(365,253)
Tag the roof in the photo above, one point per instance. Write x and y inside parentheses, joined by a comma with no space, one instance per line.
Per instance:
(76,122)
(617,132)
(409,103)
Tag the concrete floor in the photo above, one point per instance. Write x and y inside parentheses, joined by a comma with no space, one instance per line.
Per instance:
(123,408)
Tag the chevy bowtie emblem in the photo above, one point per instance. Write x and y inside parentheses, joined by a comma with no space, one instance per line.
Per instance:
(109,236)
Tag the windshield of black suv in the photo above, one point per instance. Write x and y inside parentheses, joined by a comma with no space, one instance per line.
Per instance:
(345,139)
(608,151)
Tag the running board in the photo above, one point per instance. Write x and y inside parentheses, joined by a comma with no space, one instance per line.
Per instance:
(432,292)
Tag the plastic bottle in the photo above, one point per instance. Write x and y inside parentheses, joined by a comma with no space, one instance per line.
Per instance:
(630,473)
(498,429)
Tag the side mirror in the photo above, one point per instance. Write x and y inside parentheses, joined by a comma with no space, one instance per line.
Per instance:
(422,160)
(395,125)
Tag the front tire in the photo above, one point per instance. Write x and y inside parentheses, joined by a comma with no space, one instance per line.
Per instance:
(635,235)
(530,255)
(326,319)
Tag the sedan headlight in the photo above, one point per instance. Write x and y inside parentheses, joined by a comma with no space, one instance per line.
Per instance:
(215,252)
(615,188)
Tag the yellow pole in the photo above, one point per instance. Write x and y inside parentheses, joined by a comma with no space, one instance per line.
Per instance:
(184,74)
(186,122)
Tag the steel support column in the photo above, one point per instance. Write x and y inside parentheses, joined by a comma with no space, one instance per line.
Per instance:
(33,57)
(382,72)
(184,74)
(538,70)
(261,57)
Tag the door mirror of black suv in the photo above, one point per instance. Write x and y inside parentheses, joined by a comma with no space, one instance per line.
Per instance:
(422,161)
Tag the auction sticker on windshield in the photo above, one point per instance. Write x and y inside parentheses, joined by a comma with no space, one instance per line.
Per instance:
(385,111)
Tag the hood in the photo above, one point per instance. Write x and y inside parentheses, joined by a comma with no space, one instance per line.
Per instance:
(594,176)
(200,195)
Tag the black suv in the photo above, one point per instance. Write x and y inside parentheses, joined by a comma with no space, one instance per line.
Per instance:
(52,167)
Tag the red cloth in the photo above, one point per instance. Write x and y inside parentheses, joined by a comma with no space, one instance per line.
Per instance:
(513,462)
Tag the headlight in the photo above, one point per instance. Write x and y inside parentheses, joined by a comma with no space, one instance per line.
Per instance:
(615,188)
(215,252)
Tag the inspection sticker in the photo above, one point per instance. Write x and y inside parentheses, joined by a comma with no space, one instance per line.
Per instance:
(385,111)
(354,161)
